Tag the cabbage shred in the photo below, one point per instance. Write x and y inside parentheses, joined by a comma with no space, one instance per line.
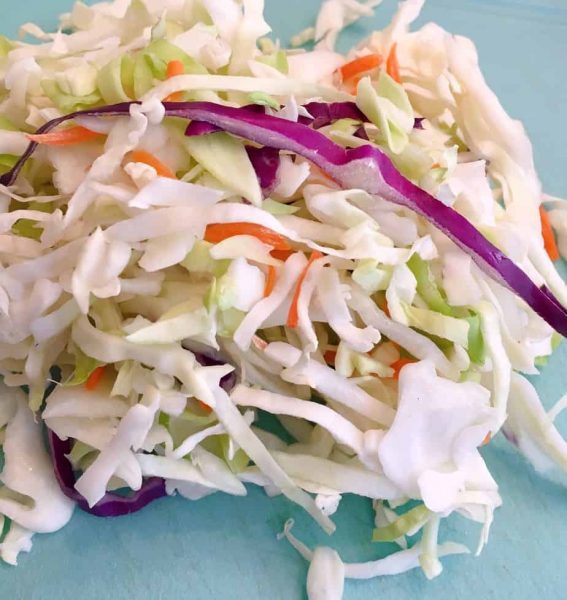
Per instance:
(177,309)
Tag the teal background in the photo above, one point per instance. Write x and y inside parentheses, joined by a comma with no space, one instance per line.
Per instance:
(224,547)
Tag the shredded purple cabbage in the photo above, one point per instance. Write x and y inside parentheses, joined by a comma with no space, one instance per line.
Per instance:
(112,505)
(365,168)
(361,133)
(323,113)
(208,360)
(266,162)
(198,128)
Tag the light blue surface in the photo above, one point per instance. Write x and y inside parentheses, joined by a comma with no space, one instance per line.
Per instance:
(225,547)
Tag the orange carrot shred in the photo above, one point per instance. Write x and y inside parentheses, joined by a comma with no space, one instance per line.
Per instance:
(270,281)
(319,176)
(399,364)
(383,306)
(352,87)
(548,235)
(486,439)
(392,65)
(94,378)
(205,407)
(330,356)
(174,68)
(360,65)
(281,254)
(217,232)
(174,97)
(293,315)
(142,156)
(65,137)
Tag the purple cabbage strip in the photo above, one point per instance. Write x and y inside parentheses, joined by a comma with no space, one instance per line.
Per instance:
(198,128)
(206,360)
(365,168)
(111,505)
(266,162)
(361,133)
(324,113)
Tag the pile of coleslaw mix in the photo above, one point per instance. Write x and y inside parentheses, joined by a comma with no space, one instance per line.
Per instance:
(199,226)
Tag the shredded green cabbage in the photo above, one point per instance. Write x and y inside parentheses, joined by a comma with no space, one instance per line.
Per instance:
(381,357)
(225,158)
(406,524)
(388,107)
(68,103)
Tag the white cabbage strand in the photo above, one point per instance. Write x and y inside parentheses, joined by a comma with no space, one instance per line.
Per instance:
(398,562)
(28,471)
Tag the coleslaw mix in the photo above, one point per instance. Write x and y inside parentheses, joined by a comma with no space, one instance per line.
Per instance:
(198,225)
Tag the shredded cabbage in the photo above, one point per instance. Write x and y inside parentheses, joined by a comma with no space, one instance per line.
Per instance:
(31,496)
(325,579)
(188,284)
(431,449)
(407,524)
(389,108)
(398,562)
(225,158)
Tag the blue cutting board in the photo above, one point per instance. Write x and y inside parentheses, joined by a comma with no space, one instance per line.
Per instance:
(224,547)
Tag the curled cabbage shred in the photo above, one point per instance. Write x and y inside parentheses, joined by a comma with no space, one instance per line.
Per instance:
(176,286)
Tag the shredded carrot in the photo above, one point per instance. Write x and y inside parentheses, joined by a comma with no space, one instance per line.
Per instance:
(217,232)
(65,137)
(205,407)
(548,236)
(319,176)
(94,378)
(270,281)
(174,68)
(392,65)
(399,364)
(486,439)
(292,315)
(330,356)
(142,156)
(352,86)
(282,254)
(360,65)
(383,306)
(174,97)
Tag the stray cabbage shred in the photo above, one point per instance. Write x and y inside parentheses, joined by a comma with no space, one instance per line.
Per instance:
(166,289)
